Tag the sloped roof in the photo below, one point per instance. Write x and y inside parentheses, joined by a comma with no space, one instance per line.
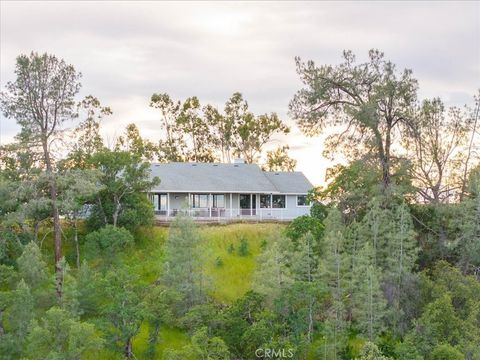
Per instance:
(236,178)
(289,182)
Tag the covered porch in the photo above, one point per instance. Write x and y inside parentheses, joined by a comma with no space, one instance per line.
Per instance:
(227,206)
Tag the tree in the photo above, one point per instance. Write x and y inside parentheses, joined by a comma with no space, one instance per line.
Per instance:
(369,304)
(31,266)
(124,311)
(133,143)
(331,273)
(433,147)
(273,275)
(372,100)
(278,160)
(171,149)
(370,351)
(251,132)
(18,315)
(160,306)
(183,267)
(40,100)
(196,128)
(58,336)
(86,136)
(123,175)
(77,188)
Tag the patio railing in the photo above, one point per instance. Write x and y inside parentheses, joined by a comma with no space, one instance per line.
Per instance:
(236,213)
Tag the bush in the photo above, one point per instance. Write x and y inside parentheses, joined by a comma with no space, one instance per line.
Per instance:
(445,352)
(231,249)
(243,248)
(110,238)
(218,262)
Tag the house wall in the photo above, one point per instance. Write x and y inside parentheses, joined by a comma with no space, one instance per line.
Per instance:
(179,201)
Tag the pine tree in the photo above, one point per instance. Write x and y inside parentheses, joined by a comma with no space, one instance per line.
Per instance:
(273,276)
(369,303)
(332,273)
(183,266)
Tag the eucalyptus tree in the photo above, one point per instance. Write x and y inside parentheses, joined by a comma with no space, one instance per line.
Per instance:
(371,100)
(41,99)
(172,147)
(279,160)
(191,122)
(86,136)
(133,142)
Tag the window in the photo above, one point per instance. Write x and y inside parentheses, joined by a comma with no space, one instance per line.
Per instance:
(218,201)
(302,200)
(162,201)
(278,201)
(199,200)
(264,201)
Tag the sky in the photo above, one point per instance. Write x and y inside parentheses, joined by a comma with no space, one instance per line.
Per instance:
(127,51)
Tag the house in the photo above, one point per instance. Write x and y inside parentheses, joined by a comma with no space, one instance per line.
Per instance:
(228,191)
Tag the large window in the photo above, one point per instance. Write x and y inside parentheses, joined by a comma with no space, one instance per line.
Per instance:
(159,201)
(265,201)
(278,201)
(218,201)
(302,200)
(162,201)
(199,200)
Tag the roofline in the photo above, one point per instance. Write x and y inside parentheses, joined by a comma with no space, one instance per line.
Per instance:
(228,192)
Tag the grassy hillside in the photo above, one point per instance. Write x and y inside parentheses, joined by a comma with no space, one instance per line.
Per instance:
(228,269)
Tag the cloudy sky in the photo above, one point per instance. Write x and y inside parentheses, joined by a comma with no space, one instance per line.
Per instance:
(129,50)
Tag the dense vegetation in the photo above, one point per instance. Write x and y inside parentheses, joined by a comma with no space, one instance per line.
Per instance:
(386,266)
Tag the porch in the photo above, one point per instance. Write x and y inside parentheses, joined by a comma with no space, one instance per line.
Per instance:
(224,207)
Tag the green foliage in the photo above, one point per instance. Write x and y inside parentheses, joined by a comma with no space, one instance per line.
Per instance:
(279,160)
(183,266)
(31,266)
(445,352)
(304,224)
(109,239)
(218,262)
(123,177)
(124,310)
(58,336)
(370,351)
(243,247)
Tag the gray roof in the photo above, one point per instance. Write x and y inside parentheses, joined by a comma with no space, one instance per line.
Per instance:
(289,182)
(217,178)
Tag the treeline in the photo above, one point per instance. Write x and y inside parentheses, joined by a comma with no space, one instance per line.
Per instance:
(386,266)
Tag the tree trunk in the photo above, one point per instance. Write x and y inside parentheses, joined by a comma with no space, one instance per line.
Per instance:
(128,349)
(75,238)
(57,231)
(2,329)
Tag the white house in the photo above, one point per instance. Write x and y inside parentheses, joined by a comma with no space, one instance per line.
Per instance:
(228,191)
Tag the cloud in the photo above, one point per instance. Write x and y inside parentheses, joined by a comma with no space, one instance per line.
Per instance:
(129,50)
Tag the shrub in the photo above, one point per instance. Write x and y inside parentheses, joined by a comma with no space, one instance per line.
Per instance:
(243,248)
(110,238)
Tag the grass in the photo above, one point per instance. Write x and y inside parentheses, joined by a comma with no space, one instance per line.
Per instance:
(229,281)
(232,280)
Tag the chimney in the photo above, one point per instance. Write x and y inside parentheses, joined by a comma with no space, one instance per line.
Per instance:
(238,161)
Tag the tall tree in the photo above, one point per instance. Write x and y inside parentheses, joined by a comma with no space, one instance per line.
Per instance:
(370,305)
(433,146)
(195,127)
(123,175)
(172,148)
(372,100)
(182,268)
(279,160)
(86,136)
(332,273)
(40,100)
(133,142)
